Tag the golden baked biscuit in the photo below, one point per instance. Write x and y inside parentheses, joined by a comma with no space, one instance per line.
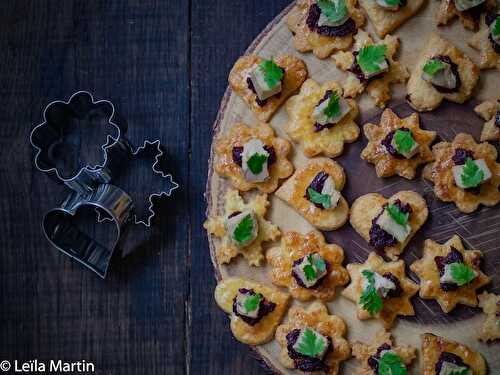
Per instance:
(294,247)
(301,126)
(316,317)
(387,164)
(294,192)
(488,111)
(267,231)
(264,330)
(447,12)
(490,303)
(422,95)
(428,272)
(295,73)
(239,134)
(488,57)
(433,346)
(392,306)
(305,39)
(385,21)
(368,207)
(382,341)
(379,88)
(440,173)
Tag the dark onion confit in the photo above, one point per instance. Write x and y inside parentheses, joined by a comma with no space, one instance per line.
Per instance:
(347,28)
(454,256)
(238,151)
(303,362)
(265,307)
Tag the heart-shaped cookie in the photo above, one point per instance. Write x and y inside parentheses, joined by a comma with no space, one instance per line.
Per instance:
(367,208)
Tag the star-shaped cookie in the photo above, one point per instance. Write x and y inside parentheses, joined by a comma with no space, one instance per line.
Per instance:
(266,231)
(263,331)
(367,208)
(378,87)
(440,173)
(382,341)
(380,152)
(488,57)
(302,126)
(428,272)
(490,112)
(295,73)
(392,306)
(227,165)
(490,303)
(316,317)
(314,39)
(385,21)
(295,246)
(422,95)
(294,192)
(447,12)
(434,346)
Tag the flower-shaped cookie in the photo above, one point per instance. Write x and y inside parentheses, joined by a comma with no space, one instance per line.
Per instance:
(399,304)
(294,247)
(469,18)
(367,209)
(490,303)
(386,20)
(294,74)
(314,138)
(425,96)
(270,303)
(433,267)
(489,50)
(296,191)
(228,150)
(383,145)
(370,354)
(378,86)
(265,230)
(322,40)
(437,349)
(490,112)
(315,318)
(440,172)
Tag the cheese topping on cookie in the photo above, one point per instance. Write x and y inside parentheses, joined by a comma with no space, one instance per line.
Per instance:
(266,79)
(451,364)
(243,227)
(334,13)
(395,222)
(309,270)
(372,60)
(404,143)
(381,284)
(322,191)
(255,161)
(462,5)
(439,73)
(311,343)
(250,306)
(389,4)
(471,174)
(330,110)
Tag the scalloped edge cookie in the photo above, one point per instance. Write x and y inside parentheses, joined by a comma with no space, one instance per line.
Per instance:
(487,111)
(488,58)
(447,12)
(490,330)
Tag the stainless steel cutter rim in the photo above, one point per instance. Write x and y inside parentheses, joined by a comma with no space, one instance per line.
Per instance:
(104,147)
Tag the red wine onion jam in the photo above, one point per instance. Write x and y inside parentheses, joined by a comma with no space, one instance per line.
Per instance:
(303,362)
(265,307)
(238,151)
(317,185)
(387,143)
(347,28)
(379,238)
(454,256)
(461,156)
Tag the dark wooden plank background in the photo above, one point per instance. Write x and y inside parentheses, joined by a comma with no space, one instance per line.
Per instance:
(164,65)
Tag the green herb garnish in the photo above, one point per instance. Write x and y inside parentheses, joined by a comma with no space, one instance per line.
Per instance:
(244,230)
(495,30)
(334,10)
(318,262)
(310,272)
(404,141)
(311,344)
(433,66)
(397,215)
(472,175)
(273,74)
(252,302)
(316,265)
(333,107)
(391,364)
(465,371)
(461,273)
(369,299)
(256,162)
(370,58)
(392,3)
(318,198)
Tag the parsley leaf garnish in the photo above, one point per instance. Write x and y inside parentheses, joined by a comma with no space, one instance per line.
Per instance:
(495,30)
(461,273)
(273,74)
(433,66)
(472,175)
(310,272)
(311,344)
(252,302)
(465,371)
(334,10)
(404,141)
(318,263)
(370,58)
(244,230)
(397,215)
(333,107)
(391,364)
(369,299)
(318,198)
(256,162)
(392,3)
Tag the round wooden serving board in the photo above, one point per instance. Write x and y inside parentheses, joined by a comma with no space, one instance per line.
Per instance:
(479,230)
